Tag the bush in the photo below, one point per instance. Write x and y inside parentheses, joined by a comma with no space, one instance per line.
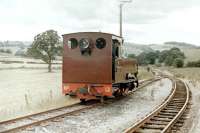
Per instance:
(193,64)
(169,56)
(178,62)
(8,51)
(131,56)
(2,50)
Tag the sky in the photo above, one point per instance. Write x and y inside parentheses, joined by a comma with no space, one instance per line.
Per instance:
(144,21)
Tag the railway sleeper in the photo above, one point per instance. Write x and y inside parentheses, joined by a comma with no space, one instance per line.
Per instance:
(161,119)
(178,102)
(187,111)
(175,104)
(180,95)
(167,113)
(174,107)
(175,129)
(178,124)
(180,90)
(180,121)
(148,126)
(157,122)
(178,99)
(140,130)
(184,117)
(186,114)
(164,116)
(170,110)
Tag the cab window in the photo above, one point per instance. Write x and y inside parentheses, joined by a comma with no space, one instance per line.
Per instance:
(100,43)
(115,48)
(72,43)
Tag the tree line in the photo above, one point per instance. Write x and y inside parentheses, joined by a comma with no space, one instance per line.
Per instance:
(8,51)
(193,64)
(47,46)
(173,57)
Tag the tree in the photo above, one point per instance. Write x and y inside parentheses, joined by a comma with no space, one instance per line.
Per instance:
(169,56)
(147,58)
(141,58)
(178,62)
(45,46)
(169,60)
(163,56)
(131,56)
(151,57)
(193,64)
(8,51)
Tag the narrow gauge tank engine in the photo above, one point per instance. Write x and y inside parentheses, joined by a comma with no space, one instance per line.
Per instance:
(93,66)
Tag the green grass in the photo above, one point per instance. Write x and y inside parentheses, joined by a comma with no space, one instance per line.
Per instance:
(188,73)
(144,74)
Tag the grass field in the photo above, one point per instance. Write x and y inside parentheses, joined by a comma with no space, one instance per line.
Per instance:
(188,73)
(143,73)
(191,54)
(26,91)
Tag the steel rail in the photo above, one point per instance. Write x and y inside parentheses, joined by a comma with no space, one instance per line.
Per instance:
(37,122)
(159,112)
(40,114)
(167,128)
(35,114)
(47,111)
(138,124)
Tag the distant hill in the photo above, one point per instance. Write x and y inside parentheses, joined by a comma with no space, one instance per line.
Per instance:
(14,43)
(191,51)
(136,48)
(180,44)
(14,46)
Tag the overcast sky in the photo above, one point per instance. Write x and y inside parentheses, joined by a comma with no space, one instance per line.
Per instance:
(144,21)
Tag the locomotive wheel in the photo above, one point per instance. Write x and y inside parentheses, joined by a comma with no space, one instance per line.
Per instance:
(137,83)
(118,93)
(126,91)
(83,101)
(102,99)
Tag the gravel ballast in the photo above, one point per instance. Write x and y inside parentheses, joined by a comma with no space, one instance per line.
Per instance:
(112,117)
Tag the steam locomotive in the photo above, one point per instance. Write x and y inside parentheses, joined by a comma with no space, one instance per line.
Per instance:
(94,66)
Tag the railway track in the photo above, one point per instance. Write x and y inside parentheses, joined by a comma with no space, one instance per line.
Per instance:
(169,116)
(36,119)
(24,122)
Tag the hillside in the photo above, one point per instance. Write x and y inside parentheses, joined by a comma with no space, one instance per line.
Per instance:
(136,48)
(192,52)
(16,47)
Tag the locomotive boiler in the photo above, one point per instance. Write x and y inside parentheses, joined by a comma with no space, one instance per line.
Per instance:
(94,66)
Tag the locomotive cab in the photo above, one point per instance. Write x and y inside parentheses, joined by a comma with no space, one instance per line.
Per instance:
(124,70)
(93,66)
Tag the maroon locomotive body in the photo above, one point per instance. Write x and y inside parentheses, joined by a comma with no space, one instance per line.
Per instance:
(93,66)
